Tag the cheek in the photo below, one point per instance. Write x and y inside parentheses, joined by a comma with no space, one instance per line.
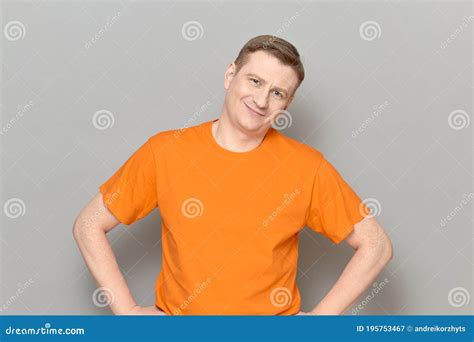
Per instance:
(240,91)
(235,93)
(243,87)
(276,107)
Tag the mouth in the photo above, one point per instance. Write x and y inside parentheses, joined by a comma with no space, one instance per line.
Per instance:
(253,111)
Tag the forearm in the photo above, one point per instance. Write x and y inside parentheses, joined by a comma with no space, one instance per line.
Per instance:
(101,261)
(360,272)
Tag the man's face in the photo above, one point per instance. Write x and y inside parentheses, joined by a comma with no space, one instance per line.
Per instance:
(261,89)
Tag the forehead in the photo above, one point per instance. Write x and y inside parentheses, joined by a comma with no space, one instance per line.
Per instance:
(268,67)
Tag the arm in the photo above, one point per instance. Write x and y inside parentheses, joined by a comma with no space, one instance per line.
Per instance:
(90,229)
(373,250)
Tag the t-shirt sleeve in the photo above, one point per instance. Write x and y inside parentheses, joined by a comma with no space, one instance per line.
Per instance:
(131,193)
(335,208)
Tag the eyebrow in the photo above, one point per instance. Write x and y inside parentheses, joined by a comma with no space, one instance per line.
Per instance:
(263,81)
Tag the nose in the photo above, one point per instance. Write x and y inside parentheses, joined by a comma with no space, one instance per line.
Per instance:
(261,99)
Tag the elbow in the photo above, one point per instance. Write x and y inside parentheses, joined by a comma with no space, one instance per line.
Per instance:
(380,249)
(387,250)
(76,229)
(80,229)
(372,241)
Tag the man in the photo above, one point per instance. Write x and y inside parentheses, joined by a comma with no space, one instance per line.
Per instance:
(233,194)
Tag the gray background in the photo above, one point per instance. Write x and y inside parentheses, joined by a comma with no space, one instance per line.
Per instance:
(409,157)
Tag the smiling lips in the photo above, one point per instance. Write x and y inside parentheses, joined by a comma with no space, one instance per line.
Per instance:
(253,111)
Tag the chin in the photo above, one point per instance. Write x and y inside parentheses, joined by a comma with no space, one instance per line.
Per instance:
(249,125)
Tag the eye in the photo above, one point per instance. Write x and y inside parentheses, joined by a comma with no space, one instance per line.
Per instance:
(277,93)
(255,81)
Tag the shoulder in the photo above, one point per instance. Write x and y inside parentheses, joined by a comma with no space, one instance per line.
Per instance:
(298,151)
(174,137)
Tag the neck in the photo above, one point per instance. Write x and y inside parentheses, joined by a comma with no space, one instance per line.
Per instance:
(230,137)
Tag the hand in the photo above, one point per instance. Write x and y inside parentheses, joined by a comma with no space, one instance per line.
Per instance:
(145,310)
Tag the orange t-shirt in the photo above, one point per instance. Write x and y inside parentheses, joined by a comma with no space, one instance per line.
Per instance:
(230,220)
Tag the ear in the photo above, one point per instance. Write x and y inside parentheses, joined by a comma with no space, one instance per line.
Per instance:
(229,75)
